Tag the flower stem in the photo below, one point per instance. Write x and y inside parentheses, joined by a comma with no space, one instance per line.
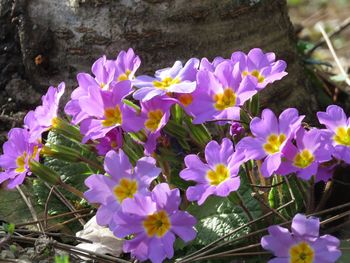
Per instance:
(72,189)
(91,163)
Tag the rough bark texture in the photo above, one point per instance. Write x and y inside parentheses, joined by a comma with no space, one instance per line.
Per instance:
(57,39)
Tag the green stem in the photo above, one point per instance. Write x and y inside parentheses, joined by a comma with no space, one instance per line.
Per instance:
(91,163)
(72,190)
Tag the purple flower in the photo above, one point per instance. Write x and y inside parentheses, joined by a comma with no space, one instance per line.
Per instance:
(43,117)
(325,172)
(211,66)
(106,111)
(218,176)
(260,65)
(156,113)
(112,141)
(177,79)
(104,71)
(153,221)
(303,244)
(107,73)
(338,126)
(271,137)
(18,152)
(220,94)
(126,65)
(305,159)
(123,182)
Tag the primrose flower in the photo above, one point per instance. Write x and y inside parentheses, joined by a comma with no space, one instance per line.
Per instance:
(305,159)
(103,71)
(156,113)
(107,73)
(211,66)
(338,126)
(126,65)
(177,79)
(18,152)
(185,99)
(271,136)
(106,111)
(260,65)
(43,117)
(303,244)
(218,176)
(220,94)
(123,182)
(153,221)
(112,141)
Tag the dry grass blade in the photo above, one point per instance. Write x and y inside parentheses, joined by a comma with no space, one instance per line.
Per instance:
(30,207)
(336,31)
(336,59)
(72,250)
(65,201)
(53,217)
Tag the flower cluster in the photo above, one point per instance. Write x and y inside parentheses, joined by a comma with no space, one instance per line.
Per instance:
(284,146)
(139,202)
(129,208)
(24,144)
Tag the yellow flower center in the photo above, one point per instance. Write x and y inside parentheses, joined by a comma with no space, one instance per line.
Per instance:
(301,253)
(342,136)
(186,99)
(219,175)
(255,73)
(303,159)
(273,143)
(125,189)
(113,116)
(54,122)
(124,76)
(154,118)
(166,83)
(157,224)
(225,100)
(21,162)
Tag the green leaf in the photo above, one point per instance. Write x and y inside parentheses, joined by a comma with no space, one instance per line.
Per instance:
(245,120)
(62,259)
(9,228)
(132,148)
(345,257)
(198,133)
(254,105)
(12,206)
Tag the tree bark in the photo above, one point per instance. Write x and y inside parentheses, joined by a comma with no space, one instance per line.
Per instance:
(58,39)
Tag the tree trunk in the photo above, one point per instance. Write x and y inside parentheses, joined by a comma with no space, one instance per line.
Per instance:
(58,39)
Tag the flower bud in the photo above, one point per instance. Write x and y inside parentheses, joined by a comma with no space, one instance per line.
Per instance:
(236,129)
